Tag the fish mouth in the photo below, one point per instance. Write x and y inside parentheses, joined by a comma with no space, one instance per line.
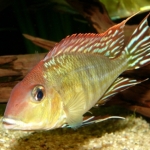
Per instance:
(9,123)
(14,124)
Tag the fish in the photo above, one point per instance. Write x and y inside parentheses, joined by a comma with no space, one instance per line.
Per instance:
(79,73)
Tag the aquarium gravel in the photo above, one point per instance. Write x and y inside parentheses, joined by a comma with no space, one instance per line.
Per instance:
(129,134)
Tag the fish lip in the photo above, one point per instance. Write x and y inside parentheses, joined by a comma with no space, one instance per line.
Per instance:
(9,123)
(14,124)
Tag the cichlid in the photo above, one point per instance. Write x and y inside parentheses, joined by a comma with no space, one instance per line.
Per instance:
(81,71)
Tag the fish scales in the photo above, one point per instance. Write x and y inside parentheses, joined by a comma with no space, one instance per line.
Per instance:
(95,70)
(80,72)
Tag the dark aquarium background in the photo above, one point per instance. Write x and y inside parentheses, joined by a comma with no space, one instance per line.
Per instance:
(42,18)
(47,19)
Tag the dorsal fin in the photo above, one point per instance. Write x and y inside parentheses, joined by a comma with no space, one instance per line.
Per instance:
(138,47)
(108,43)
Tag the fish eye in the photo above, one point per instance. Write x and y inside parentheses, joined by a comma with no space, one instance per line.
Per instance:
(38,93)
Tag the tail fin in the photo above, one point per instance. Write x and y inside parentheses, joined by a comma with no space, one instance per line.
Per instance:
(138,47)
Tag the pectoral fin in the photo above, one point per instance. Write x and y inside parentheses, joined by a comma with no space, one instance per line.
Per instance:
(74,110)
(119,85)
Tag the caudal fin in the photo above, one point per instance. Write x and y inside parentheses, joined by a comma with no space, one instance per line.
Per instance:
(138,47)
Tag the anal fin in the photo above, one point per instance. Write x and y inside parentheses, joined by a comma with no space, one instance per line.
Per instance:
(119,85)
(97,119)
(88,120)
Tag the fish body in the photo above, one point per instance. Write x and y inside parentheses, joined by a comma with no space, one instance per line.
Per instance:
(80,72)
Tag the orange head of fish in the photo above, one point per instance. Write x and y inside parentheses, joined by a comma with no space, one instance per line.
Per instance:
(34,104)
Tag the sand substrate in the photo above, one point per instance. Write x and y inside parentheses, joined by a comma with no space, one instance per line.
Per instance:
(133,133)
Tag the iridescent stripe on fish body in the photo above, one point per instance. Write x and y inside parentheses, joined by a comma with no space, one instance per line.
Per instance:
(83,78)
(80,72)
